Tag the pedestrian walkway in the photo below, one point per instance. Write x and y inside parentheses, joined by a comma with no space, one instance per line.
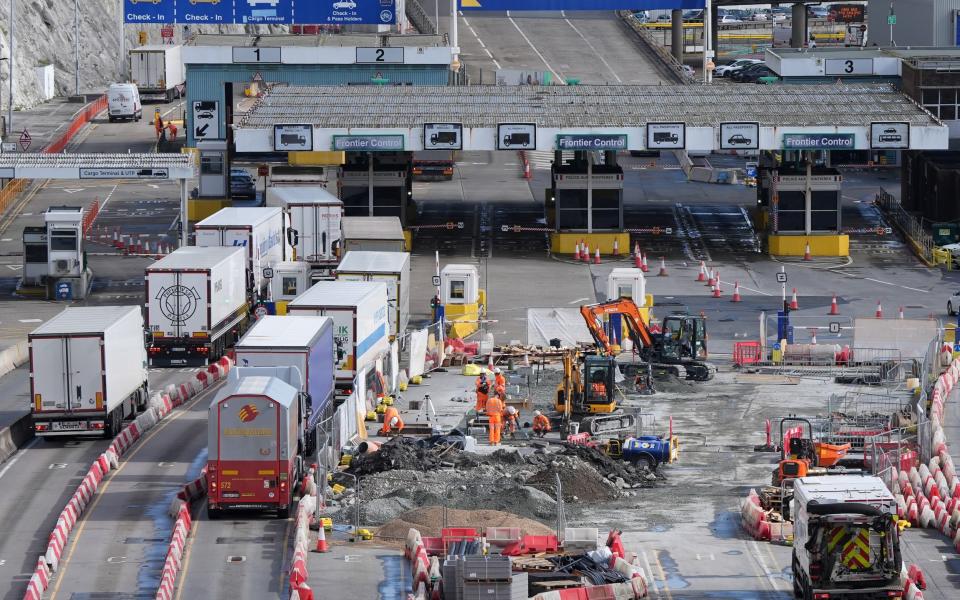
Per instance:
(42,124)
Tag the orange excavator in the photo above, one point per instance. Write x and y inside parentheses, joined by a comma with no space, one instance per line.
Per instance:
(680,347)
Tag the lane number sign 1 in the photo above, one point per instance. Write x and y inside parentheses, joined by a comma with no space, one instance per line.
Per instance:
(247,54)
(380,55)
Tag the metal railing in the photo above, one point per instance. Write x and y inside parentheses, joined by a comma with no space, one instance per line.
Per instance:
(920,240)
(664,55)
(419,17)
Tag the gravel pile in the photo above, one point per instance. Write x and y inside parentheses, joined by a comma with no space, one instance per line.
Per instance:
(398,453)
(429,520)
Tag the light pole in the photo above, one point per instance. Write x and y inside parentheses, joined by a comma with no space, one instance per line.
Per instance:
(76,47)
(10,106)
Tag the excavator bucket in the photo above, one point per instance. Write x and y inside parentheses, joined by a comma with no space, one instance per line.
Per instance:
(830,454)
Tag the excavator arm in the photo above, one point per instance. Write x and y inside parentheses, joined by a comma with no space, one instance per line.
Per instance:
(593,316)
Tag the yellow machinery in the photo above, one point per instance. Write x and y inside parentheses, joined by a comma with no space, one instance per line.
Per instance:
(587,395)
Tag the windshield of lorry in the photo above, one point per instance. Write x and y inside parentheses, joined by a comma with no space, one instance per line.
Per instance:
(852,552)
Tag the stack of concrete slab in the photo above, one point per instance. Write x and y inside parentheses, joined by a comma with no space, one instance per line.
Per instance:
(476,577)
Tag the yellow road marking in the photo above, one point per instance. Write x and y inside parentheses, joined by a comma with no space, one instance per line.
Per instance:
(663,575)
(82,523)
(283,554)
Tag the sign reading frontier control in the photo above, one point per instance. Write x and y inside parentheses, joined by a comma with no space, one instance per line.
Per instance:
(368,143)
(591,141)
(819,141)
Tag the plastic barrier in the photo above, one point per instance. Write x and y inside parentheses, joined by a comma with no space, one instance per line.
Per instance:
(753,519)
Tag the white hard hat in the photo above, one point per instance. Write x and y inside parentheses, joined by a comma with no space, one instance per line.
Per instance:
(511,410)
(536,413)
(497,370)
(394,421)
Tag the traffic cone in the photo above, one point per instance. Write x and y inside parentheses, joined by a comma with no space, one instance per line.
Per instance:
(716,287)
(712,280)
(702,275)
(806,252)
(900,313)
(794,305)
(813,337)
(736,292)
(585,253)
(834,309)
(616,248)
(637,259)
(596,257)
(321,541)
(663,268)
(879,313)
(643,263)
(576,252)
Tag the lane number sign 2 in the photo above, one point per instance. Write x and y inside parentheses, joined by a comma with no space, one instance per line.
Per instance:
(380,55)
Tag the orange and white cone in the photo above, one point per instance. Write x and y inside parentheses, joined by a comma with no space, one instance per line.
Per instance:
(321,541)
(879,313)
(663,268)
(576,251)
(900,313)
(834,309)
(637,259)
(643,263)
(616,248)
(596,257)
(806,252)
(736,292)
(716,287)
(813,337)
(794,305)
(585,252)
(702,275)
(712,280)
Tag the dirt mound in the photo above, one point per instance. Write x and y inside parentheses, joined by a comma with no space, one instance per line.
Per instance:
(428,520)
(609,468)
(579,481)
(399,453)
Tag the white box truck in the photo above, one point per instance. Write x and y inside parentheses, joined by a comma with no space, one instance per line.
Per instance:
(88,371)
(300,341)
(314,216)
(373,233)
(846,541)
(392,268)
(157,70)
(253,432)
(360,323)
(259,230)
(196,304)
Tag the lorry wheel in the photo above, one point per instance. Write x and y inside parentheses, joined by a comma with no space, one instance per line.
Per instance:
(283,513)
(113,424)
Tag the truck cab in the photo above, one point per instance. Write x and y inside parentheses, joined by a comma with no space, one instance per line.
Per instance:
(846,539)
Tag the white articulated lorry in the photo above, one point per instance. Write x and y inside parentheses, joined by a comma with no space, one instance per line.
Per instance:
(157,70)
(260,231)
(392,268)
(88,371)
(315,216)
(846,541)
(360,323)
(196,304)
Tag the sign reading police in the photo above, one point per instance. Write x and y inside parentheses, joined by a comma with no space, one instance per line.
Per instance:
(260,12)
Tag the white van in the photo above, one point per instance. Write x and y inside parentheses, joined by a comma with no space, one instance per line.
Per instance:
(123,102)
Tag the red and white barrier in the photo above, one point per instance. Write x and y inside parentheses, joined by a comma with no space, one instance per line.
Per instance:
(753,519)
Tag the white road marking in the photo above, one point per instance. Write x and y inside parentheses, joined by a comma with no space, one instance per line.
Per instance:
(31,320)
(72,190)
(522,34)
(578,300)
(482,45)
(755,550)
(855,276)
(17,456)
(594,50)
(653,583)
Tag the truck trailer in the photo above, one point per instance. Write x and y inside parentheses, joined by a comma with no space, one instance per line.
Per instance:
(315,216)
(253,450)
(88,371)
(196,304)
(373,233)
(846,538)
(302,342)
(360,323)
(392,268)
(157,70)
(260,231)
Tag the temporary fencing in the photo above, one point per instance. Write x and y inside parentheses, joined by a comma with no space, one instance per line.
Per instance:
(179,510)
(299,573)
(753,518)
(159,405)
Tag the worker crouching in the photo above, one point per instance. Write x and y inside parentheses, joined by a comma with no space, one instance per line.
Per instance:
(494,410)
(392,423)
(541,424)
(511,419)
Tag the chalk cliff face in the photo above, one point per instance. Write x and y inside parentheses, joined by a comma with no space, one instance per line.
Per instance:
(44,35)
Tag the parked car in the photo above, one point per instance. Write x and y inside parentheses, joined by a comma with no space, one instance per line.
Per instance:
(693,16)
(688,70)
(755,74)
(818,12)
(735,65)
(728,20)
(953,303)
(743,72)
(760,15)
(242,184)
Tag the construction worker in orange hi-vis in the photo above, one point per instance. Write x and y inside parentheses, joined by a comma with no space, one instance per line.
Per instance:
(483,392)
(541,424)
(391,421)
(512,416)
(494,411)
(499,379)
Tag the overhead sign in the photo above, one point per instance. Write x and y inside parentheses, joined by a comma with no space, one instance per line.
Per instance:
(368,143)
(521,5)
(120,173)
(206,119)
(848,66)
(666,136)
(591,141)
(442,136)
(739,136)
(890,136)
(292,137)
(380,55)
(819,141)
(516,136)
(261,12)
(847,13)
